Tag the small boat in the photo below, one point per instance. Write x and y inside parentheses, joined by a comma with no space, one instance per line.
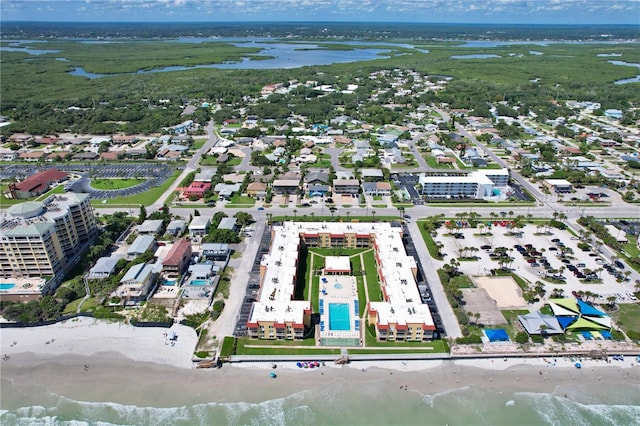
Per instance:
(273,375)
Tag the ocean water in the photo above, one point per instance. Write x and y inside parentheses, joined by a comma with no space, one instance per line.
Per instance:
(342,403)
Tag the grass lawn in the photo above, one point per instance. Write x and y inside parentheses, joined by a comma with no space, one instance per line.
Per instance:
(198,143)
(429,241)
(627,317)
(247,346)
(461,281)
(371,272)
(147,198)
(631,248)
(108,184)
(241,200)
(512,320)
(433,163)
(522,283)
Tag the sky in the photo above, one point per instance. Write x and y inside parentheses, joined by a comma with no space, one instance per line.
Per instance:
(427,11)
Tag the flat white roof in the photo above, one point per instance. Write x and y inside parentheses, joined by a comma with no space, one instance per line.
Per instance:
(403,304)
(337,264)
(558,182)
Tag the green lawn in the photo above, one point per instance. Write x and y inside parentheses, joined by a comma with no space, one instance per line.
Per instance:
(433,163)
(107,184)
(627,317)
(371,272)
(281,347)
(631,248)
(198,143)
(147,198)
(512,320)
(241,201)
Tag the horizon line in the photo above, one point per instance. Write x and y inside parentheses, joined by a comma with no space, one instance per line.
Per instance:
(323,22)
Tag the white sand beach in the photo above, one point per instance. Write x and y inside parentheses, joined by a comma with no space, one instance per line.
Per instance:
(89,336)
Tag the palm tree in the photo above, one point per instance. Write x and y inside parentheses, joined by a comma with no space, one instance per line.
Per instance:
(373,215)
(348,215)
(295,213)
(269,216)
(477,315)
(312,216)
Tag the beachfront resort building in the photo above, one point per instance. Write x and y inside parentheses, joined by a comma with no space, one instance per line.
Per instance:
(277,314)
(39,239)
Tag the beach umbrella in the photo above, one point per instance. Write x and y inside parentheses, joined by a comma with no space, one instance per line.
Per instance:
(578,365)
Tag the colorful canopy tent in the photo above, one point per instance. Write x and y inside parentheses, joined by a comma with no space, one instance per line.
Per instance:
(538,323)
(496,335)
(583,324)
(566,321)
(574,314)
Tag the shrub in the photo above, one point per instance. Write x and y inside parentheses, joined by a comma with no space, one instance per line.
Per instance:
(633,334)
(537,339)
(522,337)
(469,340)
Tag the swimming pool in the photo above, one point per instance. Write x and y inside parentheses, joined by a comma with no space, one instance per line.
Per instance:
(339,316)
(7,286)
(169,282)
(200,282)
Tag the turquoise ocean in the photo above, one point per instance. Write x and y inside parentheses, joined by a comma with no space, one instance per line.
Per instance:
(343,403)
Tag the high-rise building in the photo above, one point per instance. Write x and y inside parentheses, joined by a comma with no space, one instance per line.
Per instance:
(40,238)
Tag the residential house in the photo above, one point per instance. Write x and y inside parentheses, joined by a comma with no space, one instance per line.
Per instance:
(176,227)
(85,156)
(257,190)
(104,267)
(136,283)
(316,178)
(317,190)
(372,175)
(228,223)
(346,186)
(226,191)
(206,175)
(199,226)
(286,186)
(150,227)
(178,257)
(141,245)
(32,156)
(216,251)
(376,188)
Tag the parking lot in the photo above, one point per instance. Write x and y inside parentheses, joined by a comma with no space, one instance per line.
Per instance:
(153,174)
(552,258)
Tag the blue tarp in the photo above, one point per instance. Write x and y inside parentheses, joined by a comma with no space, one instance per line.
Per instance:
(589,310)
(606,334)
(566,321)
(587,335)
(497,335)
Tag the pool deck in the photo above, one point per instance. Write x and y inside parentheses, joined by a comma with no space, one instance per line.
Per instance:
(330,292)
(24,288)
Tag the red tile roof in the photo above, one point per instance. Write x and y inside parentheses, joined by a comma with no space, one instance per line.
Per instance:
(177,253)
(41,180)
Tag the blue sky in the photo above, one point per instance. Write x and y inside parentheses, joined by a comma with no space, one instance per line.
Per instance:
(454,11)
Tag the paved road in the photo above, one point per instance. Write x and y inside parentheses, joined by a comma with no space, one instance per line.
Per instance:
(190,167)
(226,323)
(447,315)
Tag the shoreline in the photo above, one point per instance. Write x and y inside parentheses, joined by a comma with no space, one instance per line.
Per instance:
(135,366)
